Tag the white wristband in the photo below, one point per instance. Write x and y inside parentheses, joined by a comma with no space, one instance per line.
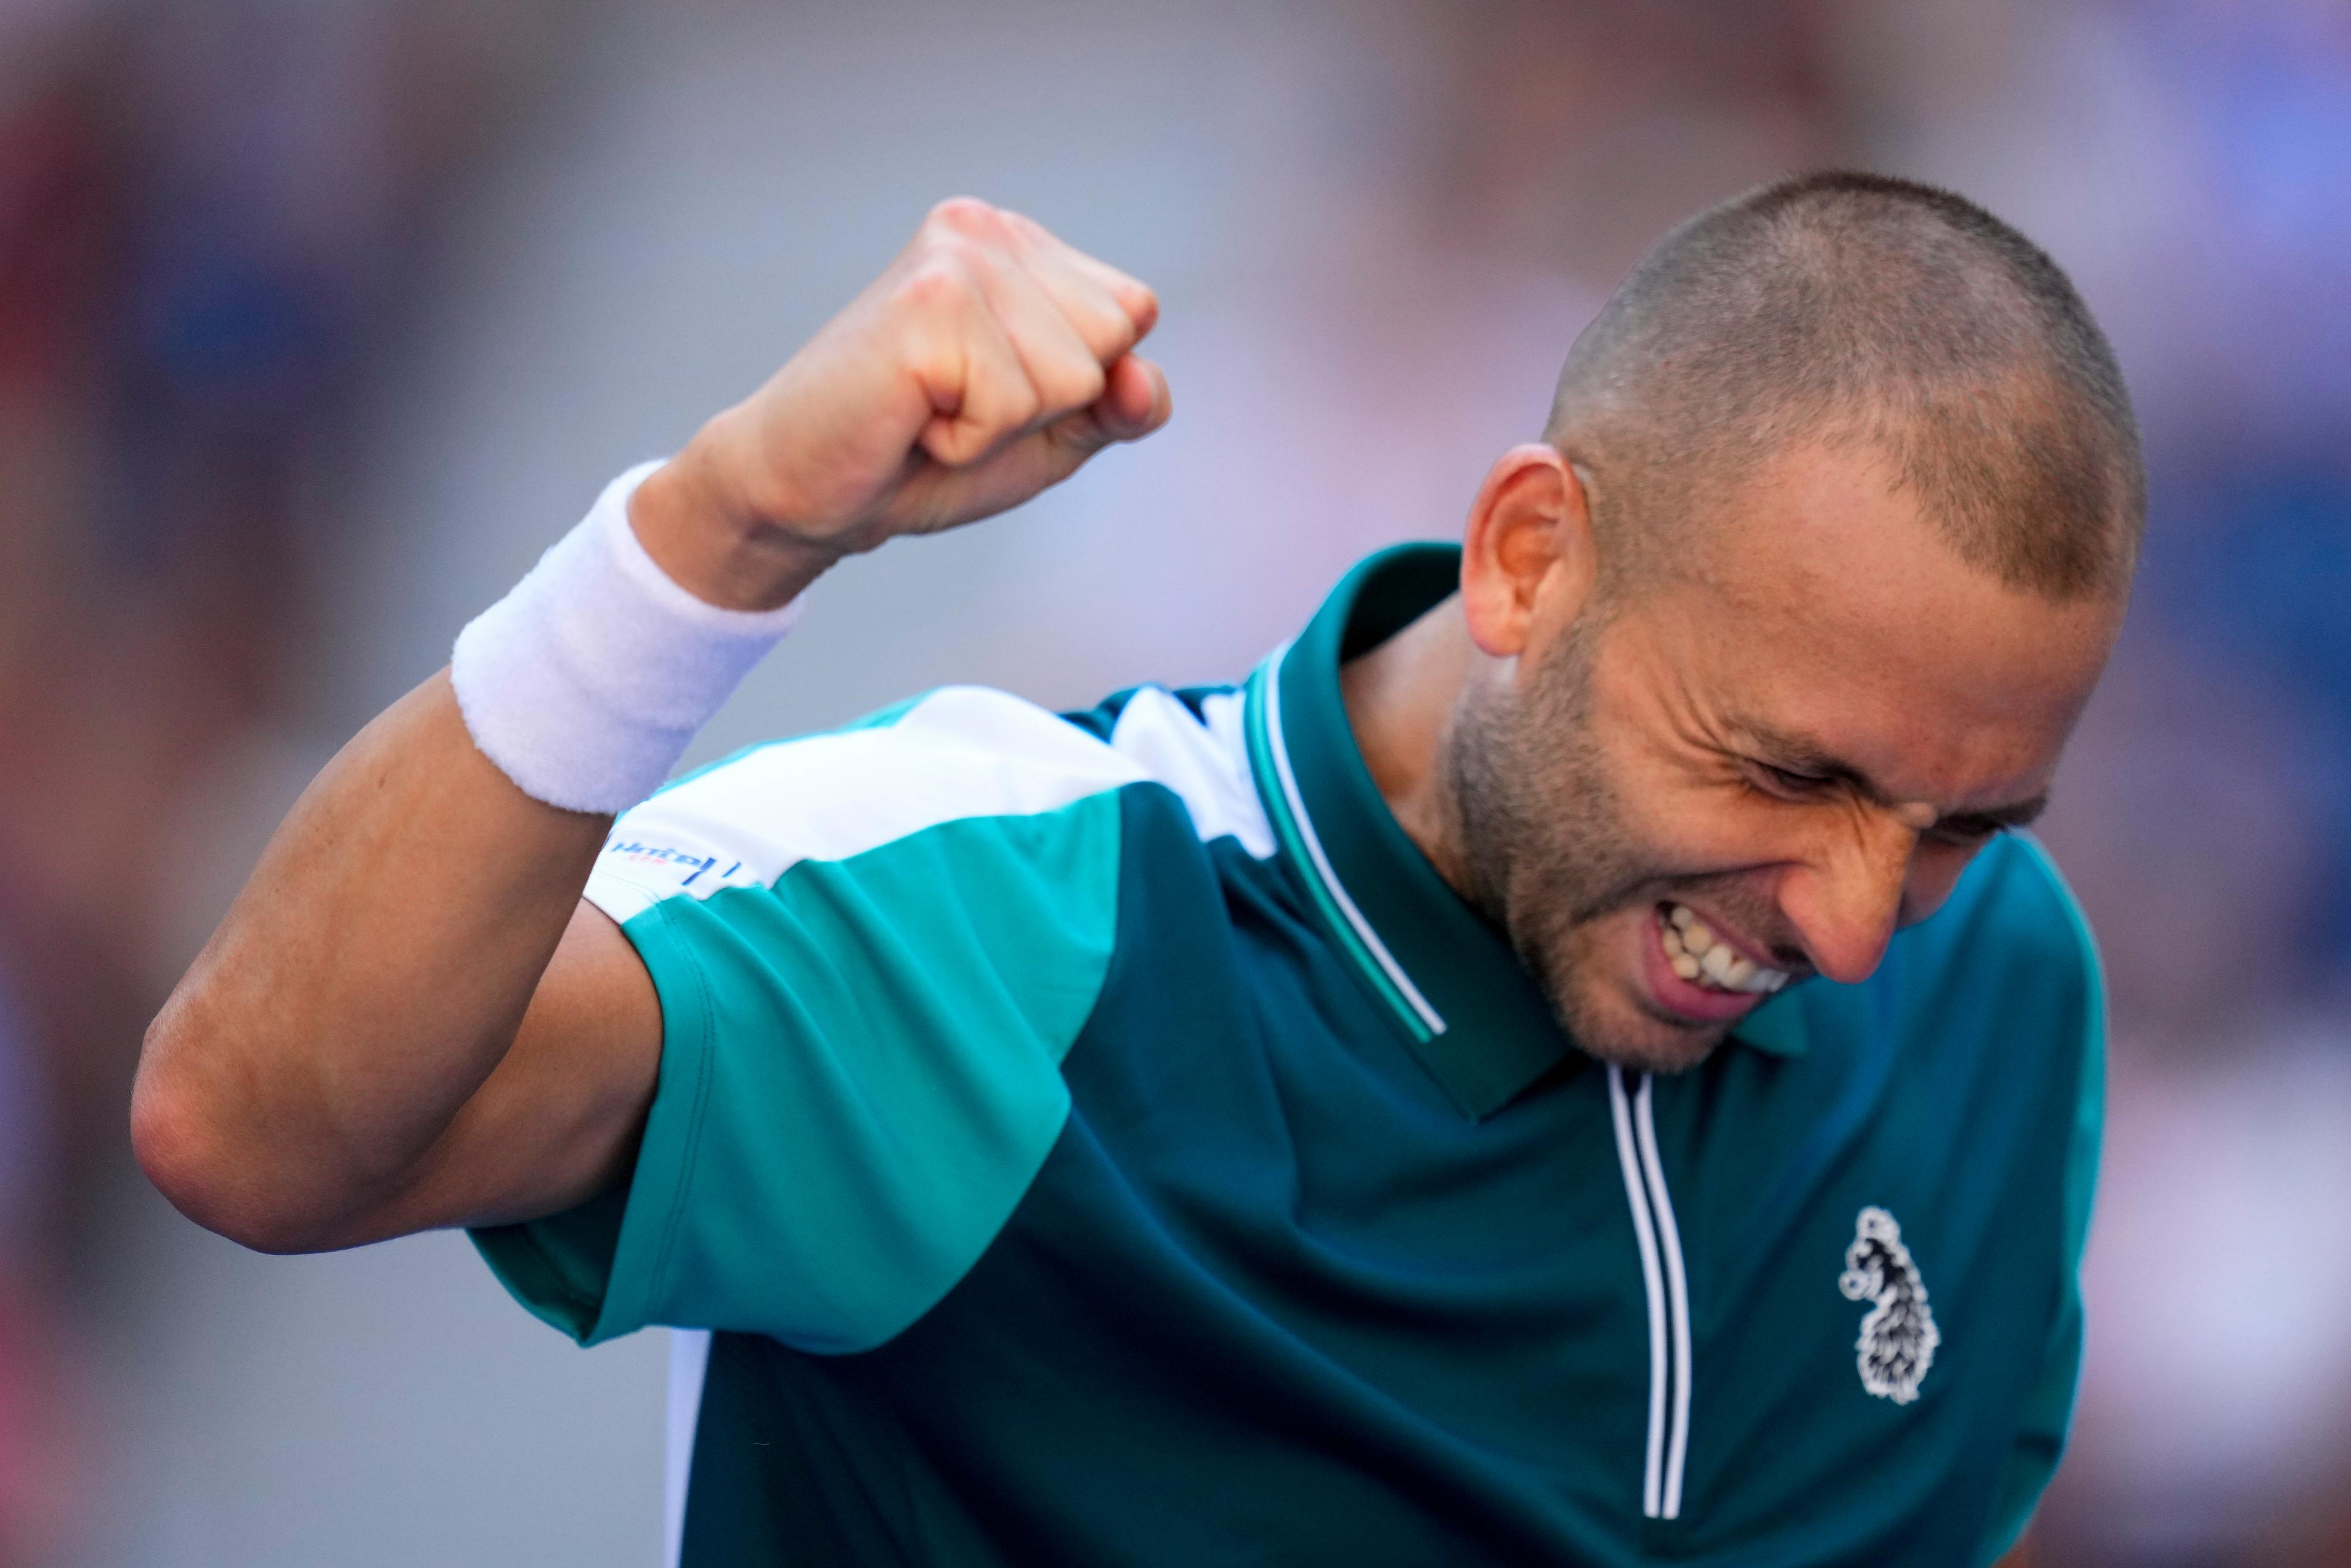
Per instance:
(586,681)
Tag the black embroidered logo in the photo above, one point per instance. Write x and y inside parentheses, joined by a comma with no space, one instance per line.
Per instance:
(1898,1337)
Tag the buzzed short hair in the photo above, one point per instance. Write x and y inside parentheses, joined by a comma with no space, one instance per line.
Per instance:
(1845,306)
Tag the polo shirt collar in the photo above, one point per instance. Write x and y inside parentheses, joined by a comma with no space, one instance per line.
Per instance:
(1474,1016)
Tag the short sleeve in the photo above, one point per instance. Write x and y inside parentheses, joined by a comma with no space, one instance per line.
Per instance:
(873,949)
(2048,1414)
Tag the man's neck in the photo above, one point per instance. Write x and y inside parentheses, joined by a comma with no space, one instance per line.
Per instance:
(1400,697)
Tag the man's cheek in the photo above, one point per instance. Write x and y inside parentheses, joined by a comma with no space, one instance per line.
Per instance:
(1712,832)
(1675,837)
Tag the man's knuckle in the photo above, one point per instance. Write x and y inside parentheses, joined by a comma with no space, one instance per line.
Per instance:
(941,283)
(973,258)
(1138,302)
(964,222)
(962,215)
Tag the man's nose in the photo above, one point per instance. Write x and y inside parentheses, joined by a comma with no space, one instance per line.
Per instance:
(1845,901)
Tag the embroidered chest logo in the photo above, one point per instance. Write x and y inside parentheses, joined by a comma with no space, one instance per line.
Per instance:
(1898,1335)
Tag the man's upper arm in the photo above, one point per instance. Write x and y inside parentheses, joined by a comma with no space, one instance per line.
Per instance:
(869,951)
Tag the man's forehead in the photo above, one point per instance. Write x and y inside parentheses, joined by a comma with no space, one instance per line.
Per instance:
(1823,553)
(1812,510)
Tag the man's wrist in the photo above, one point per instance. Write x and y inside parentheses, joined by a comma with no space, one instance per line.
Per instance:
(708,539)
(585,684)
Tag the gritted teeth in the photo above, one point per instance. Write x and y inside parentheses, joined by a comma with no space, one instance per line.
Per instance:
(1696,955)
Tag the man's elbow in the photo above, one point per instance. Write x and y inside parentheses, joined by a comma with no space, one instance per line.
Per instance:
(212,1170)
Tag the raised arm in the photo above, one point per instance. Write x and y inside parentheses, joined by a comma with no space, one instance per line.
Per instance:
(408,1019)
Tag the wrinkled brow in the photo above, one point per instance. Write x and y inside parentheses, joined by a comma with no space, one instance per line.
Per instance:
(1800,754)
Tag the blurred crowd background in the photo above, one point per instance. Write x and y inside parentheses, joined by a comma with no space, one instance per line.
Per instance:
(319,319)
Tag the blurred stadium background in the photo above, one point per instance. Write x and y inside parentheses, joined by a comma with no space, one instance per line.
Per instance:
(319,319)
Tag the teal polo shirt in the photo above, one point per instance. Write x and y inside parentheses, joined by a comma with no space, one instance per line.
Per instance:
(1103,1139)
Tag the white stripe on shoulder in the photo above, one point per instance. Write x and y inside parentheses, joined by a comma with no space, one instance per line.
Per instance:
(1204,760)
(960,752)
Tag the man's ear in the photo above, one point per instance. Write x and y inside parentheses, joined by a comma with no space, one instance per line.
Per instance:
(1528,558)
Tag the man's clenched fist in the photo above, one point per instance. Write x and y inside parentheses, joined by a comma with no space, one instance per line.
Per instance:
(987,362)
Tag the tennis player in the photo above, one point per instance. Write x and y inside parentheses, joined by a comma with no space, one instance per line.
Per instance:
(1568,1062)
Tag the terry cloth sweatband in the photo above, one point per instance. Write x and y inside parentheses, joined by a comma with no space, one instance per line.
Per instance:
(586,681)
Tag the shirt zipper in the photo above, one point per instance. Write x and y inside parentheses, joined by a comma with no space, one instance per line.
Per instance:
(1668,1292)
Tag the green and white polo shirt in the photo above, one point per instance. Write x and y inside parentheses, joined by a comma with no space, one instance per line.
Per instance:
(1103,1139)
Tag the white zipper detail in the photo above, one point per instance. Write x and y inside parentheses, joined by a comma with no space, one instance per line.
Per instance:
(1676,1298)
(1669,1292)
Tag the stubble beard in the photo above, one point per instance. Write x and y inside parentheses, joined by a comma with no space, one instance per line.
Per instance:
(1544,852)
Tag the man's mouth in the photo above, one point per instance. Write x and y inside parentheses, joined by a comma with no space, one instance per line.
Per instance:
(1696,955)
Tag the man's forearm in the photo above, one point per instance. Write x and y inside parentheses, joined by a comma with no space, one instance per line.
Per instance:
(368,979)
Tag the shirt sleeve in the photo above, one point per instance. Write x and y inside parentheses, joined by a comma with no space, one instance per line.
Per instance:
(2041,1439)
(871,949)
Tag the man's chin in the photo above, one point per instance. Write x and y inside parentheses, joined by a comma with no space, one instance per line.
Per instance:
(1678,1055)
(1635,1039)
